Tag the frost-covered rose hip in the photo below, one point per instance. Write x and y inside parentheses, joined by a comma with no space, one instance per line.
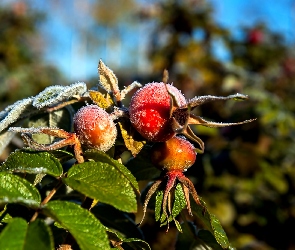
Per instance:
(159,111)
(174,154)
(174,157)
(95,128)
(150,111)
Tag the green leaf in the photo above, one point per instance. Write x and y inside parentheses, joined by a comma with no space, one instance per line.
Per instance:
(19,235)
(14,189)
(84,227)
(211,222)
(13,235)
(32,162)
(178,204)
(179,201)
(141,166)
(38,236)
(158,206)
(104,182)
(207,237)
(102,157)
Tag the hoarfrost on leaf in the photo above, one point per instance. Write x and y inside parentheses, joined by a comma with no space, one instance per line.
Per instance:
(13,112)
(54,94)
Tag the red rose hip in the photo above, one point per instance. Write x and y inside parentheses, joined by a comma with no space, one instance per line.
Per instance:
(95,128)
(150,111)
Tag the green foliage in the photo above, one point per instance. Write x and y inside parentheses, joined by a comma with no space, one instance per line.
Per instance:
(90,200)
(19,235)
(104,182)
(84,227)
(246,175)
(22,161)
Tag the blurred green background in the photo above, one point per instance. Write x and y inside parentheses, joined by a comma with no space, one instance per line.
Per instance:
(247,173)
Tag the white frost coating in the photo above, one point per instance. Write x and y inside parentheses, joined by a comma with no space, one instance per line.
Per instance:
(12,113)
(95,128)
(55,94)
(150,108)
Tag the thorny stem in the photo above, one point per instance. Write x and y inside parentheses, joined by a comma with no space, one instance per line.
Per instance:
(47,198)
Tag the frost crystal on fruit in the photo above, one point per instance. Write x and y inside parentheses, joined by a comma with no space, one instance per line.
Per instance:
(95,128)
(150,110)
(159,111)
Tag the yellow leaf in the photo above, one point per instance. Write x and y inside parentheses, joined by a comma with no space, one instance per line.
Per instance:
(99,99)
(129,133)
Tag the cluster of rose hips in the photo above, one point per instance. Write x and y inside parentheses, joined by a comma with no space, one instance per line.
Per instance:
(159,112)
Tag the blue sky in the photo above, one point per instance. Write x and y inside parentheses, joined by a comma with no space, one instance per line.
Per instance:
(77,59)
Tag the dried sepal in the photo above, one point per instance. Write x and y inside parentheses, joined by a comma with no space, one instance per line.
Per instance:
(149,194)
(170,180)
(129,88)
(188,133)
(197,120)
(68,139)
(199,100)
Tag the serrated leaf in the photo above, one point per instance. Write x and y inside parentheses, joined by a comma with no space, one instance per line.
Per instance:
(55,94)
(178,204)
(179,201)
(32,162)
(99,99)
(158,206)
(103,157)
(141,166)
(83,226)
(102,181)
(129,135)
(211,222)
(207,237)
(14,189)
(107,78)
